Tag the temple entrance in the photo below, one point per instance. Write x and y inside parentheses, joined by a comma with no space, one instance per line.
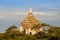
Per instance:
(30,33)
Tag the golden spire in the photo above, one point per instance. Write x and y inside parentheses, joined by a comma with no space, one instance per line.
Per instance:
(30,10)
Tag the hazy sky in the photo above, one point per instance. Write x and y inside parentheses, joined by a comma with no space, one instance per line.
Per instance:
(12,12)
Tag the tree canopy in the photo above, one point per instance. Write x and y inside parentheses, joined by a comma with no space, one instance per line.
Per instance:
(12,33)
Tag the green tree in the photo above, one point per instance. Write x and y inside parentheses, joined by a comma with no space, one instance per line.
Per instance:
(54,31)
(13,27)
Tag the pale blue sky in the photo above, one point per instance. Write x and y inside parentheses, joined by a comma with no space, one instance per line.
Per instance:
(12,12)
(27,3)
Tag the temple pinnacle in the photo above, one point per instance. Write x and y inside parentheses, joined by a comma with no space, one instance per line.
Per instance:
(30,10)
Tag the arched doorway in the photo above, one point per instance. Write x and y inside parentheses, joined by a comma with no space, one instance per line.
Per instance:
(30,33)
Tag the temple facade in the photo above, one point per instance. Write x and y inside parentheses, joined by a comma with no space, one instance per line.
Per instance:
(30,25)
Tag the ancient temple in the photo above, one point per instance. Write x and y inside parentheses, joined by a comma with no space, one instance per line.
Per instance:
(30,24)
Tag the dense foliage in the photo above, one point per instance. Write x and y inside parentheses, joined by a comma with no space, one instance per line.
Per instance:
(12,33)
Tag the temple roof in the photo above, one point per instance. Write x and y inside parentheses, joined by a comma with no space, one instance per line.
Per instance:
(30,20)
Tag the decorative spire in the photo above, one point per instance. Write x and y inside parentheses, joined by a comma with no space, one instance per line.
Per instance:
(30,10)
